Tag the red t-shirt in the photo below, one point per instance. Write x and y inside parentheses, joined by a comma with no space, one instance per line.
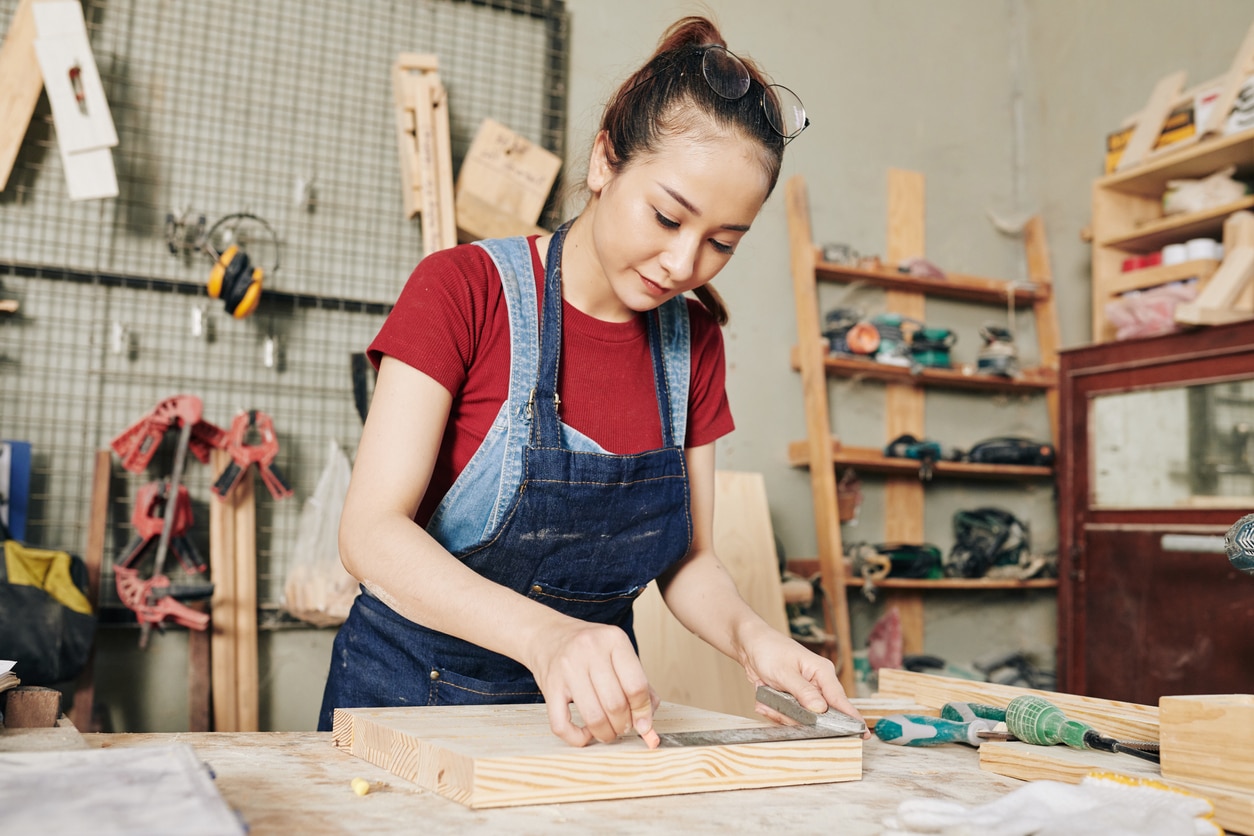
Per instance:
(451,323)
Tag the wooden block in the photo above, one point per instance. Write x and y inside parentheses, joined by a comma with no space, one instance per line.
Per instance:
(1122,720)
(681,667)
(244,505)
(59,738)
(507,172)
(32,707)
(505,755)
(19,92)
(222,655)
(1150,123)
(1234,808)
(477,219)
(1214,305)
(1208,739)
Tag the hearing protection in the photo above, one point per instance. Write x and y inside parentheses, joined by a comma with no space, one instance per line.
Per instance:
(235,279)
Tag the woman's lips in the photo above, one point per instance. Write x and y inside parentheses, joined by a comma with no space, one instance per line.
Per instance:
(652,288)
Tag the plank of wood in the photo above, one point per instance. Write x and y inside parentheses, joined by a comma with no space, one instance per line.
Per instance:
(82,710)
(1122,720)
(1041,273)
(1234,807)
(1208,739)
(244,505)
(1150,123)
(1214,305)
(20,91)
(811,353)
(904,404)
(199,676)
(681,667)
(873,709)
(506,755)
(443,153)
(223,658)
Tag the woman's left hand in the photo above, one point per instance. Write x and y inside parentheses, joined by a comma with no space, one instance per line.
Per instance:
(771,658)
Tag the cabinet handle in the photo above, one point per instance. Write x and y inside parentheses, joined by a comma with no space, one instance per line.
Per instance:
(1211,544)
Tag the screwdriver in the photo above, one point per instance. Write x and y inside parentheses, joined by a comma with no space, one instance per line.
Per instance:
(1040,722)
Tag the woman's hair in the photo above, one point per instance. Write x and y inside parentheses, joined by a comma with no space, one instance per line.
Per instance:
(669,96)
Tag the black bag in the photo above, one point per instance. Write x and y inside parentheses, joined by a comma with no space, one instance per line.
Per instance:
(1012,450)
(984,538)
(49,641)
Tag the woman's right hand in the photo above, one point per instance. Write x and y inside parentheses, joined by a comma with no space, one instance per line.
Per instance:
(595,667)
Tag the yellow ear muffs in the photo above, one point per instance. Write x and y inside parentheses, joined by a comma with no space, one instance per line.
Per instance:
(251,296)
(225,264)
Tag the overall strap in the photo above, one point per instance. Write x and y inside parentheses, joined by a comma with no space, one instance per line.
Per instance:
(543,403)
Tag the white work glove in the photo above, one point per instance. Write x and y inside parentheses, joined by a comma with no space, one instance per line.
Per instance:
(1100,805)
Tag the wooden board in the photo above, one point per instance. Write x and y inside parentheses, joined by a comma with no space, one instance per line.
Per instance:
(19,91)
(1208,739)
(682,668)
(60,737)
(1122,720)
(222,654)
(1150,123)
(502,756)
(1234,809)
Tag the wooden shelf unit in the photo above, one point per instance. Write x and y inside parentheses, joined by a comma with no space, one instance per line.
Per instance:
(822,454)
(1128,219)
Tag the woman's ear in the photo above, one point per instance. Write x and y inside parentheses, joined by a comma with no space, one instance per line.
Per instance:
(599,170)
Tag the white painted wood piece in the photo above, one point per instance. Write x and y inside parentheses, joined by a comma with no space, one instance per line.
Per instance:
(501,756)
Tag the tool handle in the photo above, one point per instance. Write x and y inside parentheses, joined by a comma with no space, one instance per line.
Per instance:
(230,475)
(965,712)
(274,480)
(916,730)
(1036,720)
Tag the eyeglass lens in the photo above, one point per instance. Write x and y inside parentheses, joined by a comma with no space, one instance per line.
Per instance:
(729,77)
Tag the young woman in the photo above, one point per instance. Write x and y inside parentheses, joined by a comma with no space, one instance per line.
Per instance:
(540,445)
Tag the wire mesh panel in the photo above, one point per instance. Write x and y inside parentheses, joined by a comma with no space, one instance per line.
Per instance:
(279,109)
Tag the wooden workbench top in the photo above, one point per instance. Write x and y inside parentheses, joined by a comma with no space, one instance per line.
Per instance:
(298,782)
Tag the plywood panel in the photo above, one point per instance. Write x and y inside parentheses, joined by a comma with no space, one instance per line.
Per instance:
(501,756)
(20,88)
(681,667)
(1209,738)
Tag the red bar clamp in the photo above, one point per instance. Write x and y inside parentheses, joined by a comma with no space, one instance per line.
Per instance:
(137,444)
(251,440)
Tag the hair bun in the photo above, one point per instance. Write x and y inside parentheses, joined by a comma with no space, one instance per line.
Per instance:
(693,30)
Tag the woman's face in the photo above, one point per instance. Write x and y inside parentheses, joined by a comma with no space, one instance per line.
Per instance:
(669,222)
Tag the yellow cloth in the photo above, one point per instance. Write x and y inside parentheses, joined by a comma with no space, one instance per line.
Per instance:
(46,570)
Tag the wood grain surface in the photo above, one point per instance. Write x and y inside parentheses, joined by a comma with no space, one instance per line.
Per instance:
(500,756)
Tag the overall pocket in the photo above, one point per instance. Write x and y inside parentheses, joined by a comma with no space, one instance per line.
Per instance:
(597,607)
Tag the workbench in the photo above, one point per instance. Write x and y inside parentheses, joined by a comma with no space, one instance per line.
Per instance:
(298,782)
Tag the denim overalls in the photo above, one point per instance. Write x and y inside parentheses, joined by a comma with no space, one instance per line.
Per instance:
(539,508)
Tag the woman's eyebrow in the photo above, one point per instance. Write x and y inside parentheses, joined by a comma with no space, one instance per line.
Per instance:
(684,202)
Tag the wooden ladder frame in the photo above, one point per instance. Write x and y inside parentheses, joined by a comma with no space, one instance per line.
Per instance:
(904,404)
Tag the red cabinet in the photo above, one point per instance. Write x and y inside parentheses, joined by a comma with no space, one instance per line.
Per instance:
(1156,442)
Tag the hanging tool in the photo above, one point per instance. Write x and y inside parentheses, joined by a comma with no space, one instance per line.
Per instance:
(137,444)
(811,726)
(251,440)
(156,599)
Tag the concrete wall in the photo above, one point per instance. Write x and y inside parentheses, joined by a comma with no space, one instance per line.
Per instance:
(1003,105)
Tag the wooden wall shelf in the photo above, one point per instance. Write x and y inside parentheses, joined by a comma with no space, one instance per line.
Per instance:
(871,460)
(1154,235)
(1195,161)
(1034,380)
(809,567)
(954,286)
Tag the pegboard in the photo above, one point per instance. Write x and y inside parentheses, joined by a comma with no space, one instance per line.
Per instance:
(280,108)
